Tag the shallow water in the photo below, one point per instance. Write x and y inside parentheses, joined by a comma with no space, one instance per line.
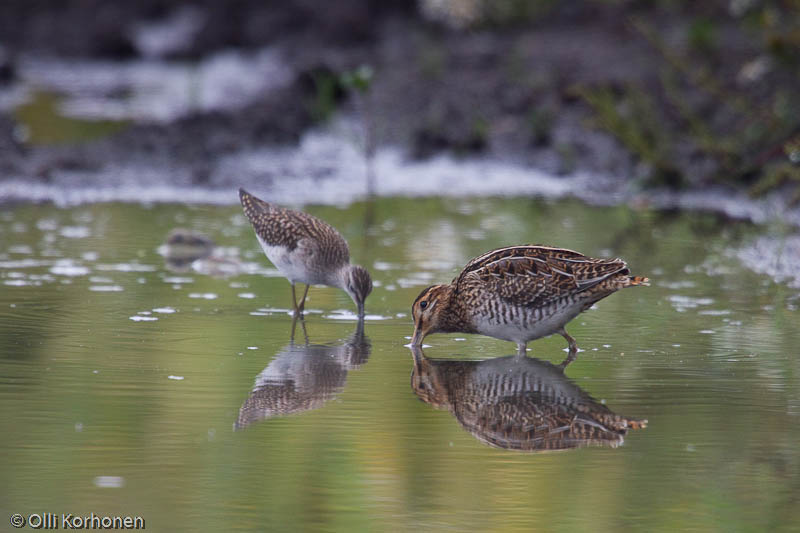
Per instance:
(134,385)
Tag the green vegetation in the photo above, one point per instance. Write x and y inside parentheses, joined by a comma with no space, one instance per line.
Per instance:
(44,124)
(740,113)
(631,115)
(359,79)
(721,103)
(327,93)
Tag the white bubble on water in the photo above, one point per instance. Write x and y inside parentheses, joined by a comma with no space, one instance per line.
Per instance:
(75,232)
(67,267)
(139,318)
(109,482)
(178,279)
(203,295)
(19,282)
(20,249)
(126,267)
(47,224)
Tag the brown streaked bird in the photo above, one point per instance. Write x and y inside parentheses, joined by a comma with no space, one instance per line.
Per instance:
(306,250)
(518,403)
(303,377)
(519,293)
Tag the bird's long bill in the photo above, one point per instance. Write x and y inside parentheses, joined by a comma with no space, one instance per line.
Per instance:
(360,310)
(416,340)
(418,355)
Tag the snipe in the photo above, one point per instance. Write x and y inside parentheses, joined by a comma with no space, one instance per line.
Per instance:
(518,403)
(519,293)
(306,250)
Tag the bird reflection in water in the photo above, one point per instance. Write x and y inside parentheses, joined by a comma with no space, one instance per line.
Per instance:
(303,377)
(518,403)
(189,251)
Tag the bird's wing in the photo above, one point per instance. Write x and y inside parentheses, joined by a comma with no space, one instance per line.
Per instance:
(279,226)
(536,275)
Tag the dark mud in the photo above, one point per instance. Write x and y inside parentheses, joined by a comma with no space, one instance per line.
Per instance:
(553,92)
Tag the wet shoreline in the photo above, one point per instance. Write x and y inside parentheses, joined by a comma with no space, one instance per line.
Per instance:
(199,104)
(327,166)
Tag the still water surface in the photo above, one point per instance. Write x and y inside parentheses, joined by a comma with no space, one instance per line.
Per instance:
(134,385)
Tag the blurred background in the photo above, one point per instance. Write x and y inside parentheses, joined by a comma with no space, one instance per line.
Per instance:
(639,96)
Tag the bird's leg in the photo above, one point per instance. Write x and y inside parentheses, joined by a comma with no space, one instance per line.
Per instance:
(303,301)
(573,346)
(303,325)
(294,326)
(294,302)
(571,356)
(522,348)
(295,318)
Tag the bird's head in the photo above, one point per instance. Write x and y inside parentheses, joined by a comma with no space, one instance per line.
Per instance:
(358,285)
(427,311)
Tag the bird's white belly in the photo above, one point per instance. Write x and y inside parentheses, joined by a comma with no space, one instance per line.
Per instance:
(523,325)
(290,264)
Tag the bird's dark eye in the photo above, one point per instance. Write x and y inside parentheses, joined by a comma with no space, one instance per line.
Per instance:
(423,304)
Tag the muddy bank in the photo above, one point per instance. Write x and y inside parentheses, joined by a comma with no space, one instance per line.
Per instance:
(589,94)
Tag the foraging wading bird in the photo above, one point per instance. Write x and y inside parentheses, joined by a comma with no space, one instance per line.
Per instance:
(306,250)
(518,403)
(519,293)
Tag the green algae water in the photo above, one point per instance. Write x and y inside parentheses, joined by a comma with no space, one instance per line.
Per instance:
(133,383)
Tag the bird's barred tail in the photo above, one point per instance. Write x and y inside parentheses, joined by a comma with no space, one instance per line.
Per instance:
(252,205)
(639,280)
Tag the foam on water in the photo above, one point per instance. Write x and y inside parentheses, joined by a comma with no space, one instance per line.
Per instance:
(108,482)
(75,232)
(67,268)
(204,295)
(714,312)
(344,314)
(19,282)
(777,257)
(126,267)
(25,263)
(682,303)
(20,249)
(155,90)
(178,279)
(328,167)
(140,318)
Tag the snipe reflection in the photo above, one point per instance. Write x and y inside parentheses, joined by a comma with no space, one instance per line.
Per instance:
(518,403)
(183,247)
(303,377)
(189,251)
